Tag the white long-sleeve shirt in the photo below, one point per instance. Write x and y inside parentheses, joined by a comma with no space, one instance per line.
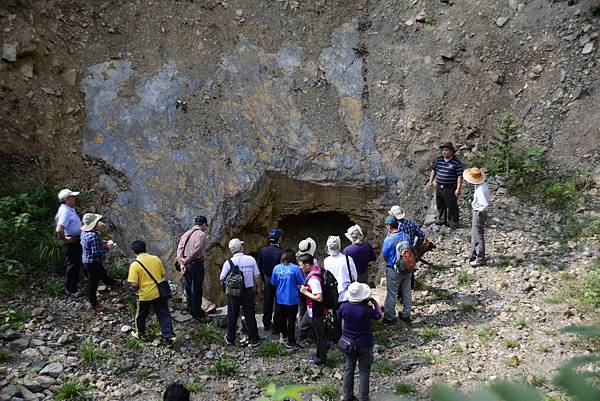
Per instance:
(481,197)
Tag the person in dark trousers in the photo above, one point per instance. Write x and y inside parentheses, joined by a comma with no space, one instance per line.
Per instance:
(447,171)
(360,251)
(249,269)
(287,278)
(94,250)
(357,314)
(315,312)
(147,292)
(68,230)
(269,257)
(176,392)
(191,254)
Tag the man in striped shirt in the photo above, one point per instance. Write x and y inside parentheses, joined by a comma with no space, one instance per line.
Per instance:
(447,171)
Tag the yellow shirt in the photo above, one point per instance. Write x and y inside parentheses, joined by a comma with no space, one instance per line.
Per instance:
(147,289)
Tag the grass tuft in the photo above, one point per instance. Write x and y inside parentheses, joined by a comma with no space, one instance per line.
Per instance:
(91,353)
(383,367)
(71,390)
(484,332)
(223,367)
(404,388)
(429,332)
(464,279)
(207,334)
(271,349)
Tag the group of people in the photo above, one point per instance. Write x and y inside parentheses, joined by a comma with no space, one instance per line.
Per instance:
(298,292)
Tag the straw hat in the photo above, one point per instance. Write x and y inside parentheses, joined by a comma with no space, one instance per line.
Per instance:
(354,233)
(358,292)
(397,212)
(474,175)
(307,246)
(89,221)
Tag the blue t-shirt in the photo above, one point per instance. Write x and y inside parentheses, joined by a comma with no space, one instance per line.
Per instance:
(287,277)
(389,247)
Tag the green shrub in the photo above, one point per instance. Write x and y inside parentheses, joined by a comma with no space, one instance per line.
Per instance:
(522,323)
(383,367)
(71,390)
(207,334)
(117,272)
(510,344)
(223,367)
(15,318)
(429,332)
(91,353)
(271,349)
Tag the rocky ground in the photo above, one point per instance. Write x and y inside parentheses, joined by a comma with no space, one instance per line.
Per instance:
(471,325)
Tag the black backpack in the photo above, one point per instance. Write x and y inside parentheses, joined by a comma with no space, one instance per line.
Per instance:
(234,285)
(329,286)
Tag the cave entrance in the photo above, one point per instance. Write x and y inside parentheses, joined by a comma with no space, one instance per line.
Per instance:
(302,209)
(318,226)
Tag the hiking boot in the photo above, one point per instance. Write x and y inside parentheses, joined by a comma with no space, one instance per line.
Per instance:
(137,335)
(227,342)
(476,263)
(406,319)
(254,343)
(469,258)
(98,308)
(387,322)
(291,345)
(73,295)
(169,342)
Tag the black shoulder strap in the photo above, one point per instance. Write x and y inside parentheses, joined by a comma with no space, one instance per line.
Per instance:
(188,240)
(349,271)
(144,267)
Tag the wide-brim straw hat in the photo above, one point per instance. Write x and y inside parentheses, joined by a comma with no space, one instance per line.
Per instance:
(307,246)
(358,292)
(474,175)
(89,221)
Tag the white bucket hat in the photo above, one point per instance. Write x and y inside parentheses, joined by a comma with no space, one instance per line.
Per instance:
(354,234)
(333,245)
(397,212)
(358,292)
(89,221)
(235,245)
(307,246)
(65,193)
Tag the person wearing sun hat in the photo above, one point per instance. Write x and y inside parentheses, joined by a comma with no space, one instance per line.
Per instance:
(479,205)
(357,339)
(68,230)
(94,250)
(360,251)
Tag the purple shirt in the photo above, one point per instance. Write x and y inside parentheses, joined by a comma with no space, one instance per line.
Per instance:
(357,323)
(362,254)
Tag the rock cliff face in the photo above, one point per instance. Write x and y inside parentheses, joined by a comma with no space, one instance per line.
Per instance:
(161,132)
(254,112)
